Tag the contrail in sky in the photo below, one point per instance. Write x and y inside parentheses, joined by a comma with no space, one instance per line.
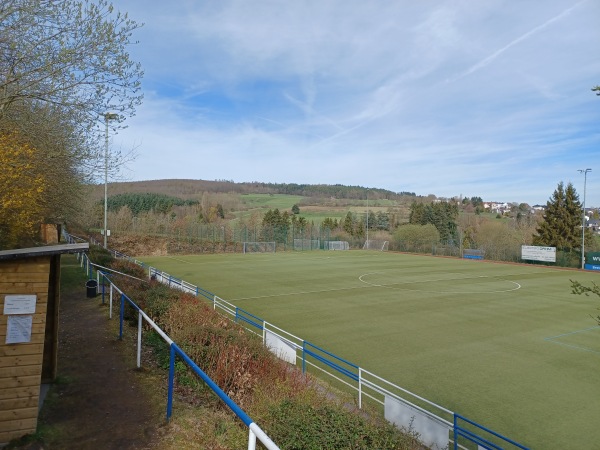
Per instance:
(484,62)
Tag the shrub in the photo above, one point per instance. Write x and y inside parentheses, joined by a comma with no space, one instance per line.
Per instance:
(100,256)
(301,426)
(232,359)
(129,268)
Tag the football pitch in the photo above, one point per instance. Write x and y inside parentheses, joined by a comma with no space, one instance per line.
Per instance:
(505,345)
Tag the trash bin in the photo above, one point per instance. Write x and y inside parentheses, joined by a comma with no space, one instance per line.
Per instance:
(91,288)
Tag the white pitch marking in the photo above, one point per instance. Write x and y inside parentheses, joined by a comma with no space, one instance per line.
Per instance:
(180,260)
(391,285)
(299,293)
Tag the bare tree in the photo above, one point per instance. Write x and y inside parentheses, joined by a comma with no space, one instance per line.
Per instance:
(68,53)
(68,59)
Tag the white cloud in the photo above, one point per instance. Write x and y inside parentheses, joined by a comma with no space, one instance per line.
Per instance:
(489,98)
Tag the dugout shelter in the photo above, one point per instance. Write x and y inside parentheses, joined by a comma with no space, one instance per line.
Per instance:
(29,303)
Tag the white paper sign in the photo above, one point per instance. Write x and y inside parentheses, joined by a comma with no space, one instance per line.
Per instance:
(18,329)
(19,304)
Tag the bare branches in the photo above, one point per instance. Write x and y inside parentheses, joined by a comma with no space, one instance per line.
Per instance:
(68,53)
(63,65)
(580,289)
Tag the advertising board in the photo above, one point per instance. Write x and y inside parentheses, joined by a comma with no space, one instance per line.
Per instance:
(536,253)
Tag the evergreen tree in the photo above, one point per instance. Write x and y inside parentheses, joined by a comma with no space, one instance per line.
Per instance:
(417,214)
(561,227)
(275,225)
(383,221)
(442,215)
(372,221)
(302,224)
(329,224)
(349,224)
(220,211)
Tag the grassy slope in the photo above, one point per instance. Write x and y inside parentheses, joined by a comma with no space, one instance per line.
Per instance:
(312,209)
(457,332)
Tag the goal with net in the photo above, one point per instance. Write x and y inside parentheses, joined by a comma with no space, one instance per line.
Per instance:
(336,245)
(259,247)
(307,244)
(376,244)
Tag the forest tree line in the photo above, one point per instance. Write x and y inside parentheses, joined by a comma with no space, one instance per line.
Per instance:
(454,224)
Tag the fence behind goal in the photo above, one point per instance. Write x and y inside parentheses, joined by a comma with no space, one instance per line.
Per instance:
(438,427)
(307,244)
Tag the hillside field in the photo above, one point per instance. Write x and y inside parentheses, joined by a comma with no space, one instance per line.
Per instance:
(506,345)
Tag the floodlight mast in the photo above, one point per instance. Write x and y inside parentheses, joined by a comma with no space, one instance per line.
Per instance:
(107,117)
(367,218)
(584,172)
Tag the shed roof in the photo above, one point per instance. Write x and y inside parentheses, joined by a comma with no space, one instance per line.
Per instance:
(43,251)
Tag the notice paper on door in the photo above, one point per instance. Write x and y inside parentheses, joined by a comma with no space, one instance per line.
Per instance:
(18,329)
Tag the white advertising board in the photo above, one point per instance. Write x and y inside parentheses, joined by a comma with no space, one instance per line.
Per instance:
(535,253)
(432,432)
(280,347)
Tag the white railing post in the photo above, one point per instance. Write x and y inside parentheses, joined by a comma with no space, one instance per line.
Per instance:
(262,437)
(110,297)
(251,441)
(139,340)
(359,388)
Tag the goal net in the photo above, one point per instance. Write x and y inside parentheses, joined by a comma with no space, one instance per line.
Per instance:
(336,245)
(307,244)
(376,244)
(259,247)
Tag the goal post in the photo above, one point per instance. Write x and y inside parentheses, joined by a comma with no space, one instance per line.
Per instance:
(336,245)
(259,247)
(307,244)
(376,244)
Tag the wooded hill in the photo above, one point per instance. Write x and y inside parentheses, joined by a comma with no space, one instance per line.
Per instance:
(193,189)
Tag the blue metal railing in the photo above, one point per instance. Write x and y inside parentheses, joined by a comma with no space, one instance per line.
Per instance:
(251,319)
(482,442)
(333,363)
(254,430)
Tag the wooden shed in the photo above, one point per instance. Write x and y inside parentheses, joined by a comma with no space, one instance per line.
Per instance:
(29,302)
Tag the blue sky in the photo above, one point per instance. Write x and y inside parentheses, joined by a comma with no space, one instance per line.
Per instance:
(485,98)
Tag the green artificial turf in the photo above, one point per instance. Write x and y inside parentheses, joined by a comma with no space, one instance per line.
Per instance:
(505,345)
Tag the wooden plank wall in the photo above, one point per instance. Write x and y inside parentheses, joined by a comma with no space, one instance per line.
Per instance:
(21,364)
